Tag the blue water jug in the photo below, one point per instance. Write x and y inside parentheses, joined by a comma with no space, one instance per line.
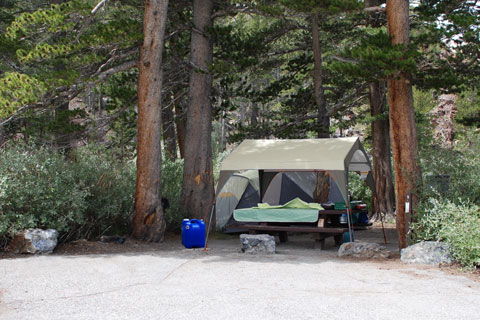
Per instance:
(193,233)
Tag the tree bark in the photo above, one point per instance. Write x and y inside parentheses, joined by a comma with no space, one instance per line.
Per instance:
(169,134)
(149,220)
(197,187)
(322,186)
(323,120)
(180,120)
(383,203)
(402,123)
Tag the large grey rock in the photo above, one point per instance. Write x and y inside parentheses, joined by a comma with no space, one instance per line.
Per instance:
(257,243)
(427,252)
(35,241)
(363,250)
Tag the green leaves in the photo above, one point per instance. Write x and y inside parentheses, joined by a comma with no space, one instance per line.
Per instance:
(40,187)
(17,90)
(331,6)
(45,51)
(455,224)
(375,58)
(55,19)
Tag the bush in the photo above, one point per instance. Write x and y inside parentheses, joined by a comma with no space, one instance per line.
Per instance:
(172,177)
(457,224)
(39,189)
(81,198)
(460,163)
(359,189)
(85,195)
(111,190)
(463,172)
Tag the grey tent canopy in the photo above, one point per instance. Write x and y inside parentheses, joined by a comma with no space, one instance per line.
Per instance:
(337,156)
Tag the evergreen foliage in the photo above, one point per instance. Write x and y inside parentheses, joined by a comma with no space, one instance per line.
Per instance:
(60,51)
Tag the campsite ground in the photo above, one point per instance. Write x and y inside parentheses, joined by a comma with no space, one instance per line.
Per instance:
(94,280)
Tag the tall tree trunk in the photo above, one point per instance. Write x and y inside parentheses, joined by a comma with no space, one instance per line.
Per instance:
(197,188)
(149,219)
(322,186)
(382,168)
(402,124)
(323,120)
(169,135)
(180,121)
(383,202)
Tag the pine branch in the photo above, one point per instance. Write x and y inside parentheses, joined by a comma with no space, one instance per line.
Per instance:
(347,60)
(375,9)
(341,104)
(277,53)
(115,56)
(121,67)
(234,11)
(98,6)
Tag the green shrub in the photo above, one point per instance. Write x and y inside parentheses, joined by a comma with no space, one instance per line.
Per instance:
(111,190)
(457,224)
(172,177)
(81,198)
(461,164)
(39,189)
(86,194)
(359,189)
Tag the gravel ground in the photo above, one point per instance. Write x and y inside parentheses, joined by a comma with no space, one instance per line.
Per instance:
(170,282)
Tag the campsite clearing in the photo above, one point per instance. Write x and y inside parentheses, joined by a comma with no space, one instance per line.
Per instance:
(165,281)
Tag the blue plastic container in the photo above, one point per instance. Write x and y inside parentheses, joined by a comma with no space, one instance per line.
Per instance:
(346,237)
(193,233)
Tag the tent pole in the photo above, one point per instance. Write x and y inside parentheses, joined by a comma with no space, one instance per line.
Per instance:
(209,224)
(350,227)
(349,217)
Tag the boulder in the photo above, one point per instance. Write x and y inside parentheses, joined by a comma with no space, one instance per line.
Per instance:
(363,250)
(443,119)
(427,252)
(35,241)
(257,243)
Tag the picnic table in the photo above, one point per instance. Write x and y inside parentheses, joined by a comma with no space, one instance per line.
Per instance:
(325,225)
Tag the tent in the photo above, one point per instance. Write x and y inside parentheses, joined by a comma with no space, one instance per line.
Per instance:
(275,170)
(242,190)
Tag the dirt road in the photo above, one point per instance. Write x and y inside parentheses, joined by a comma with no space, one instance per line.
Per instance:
(175,283)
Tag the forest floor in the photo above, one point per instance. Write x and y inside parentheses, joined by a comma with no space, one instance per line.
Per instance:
(134,280)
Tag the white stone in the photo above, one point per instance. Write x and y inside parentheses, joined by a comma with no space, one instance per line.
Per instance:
(35,241)
(427,252)
(363,250)
(257,243)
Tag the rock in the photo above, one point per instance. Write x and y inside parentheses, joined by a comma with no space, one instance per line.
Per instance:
(35,241)
(443,119)
(427,252)
(257,243)
(363,250)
